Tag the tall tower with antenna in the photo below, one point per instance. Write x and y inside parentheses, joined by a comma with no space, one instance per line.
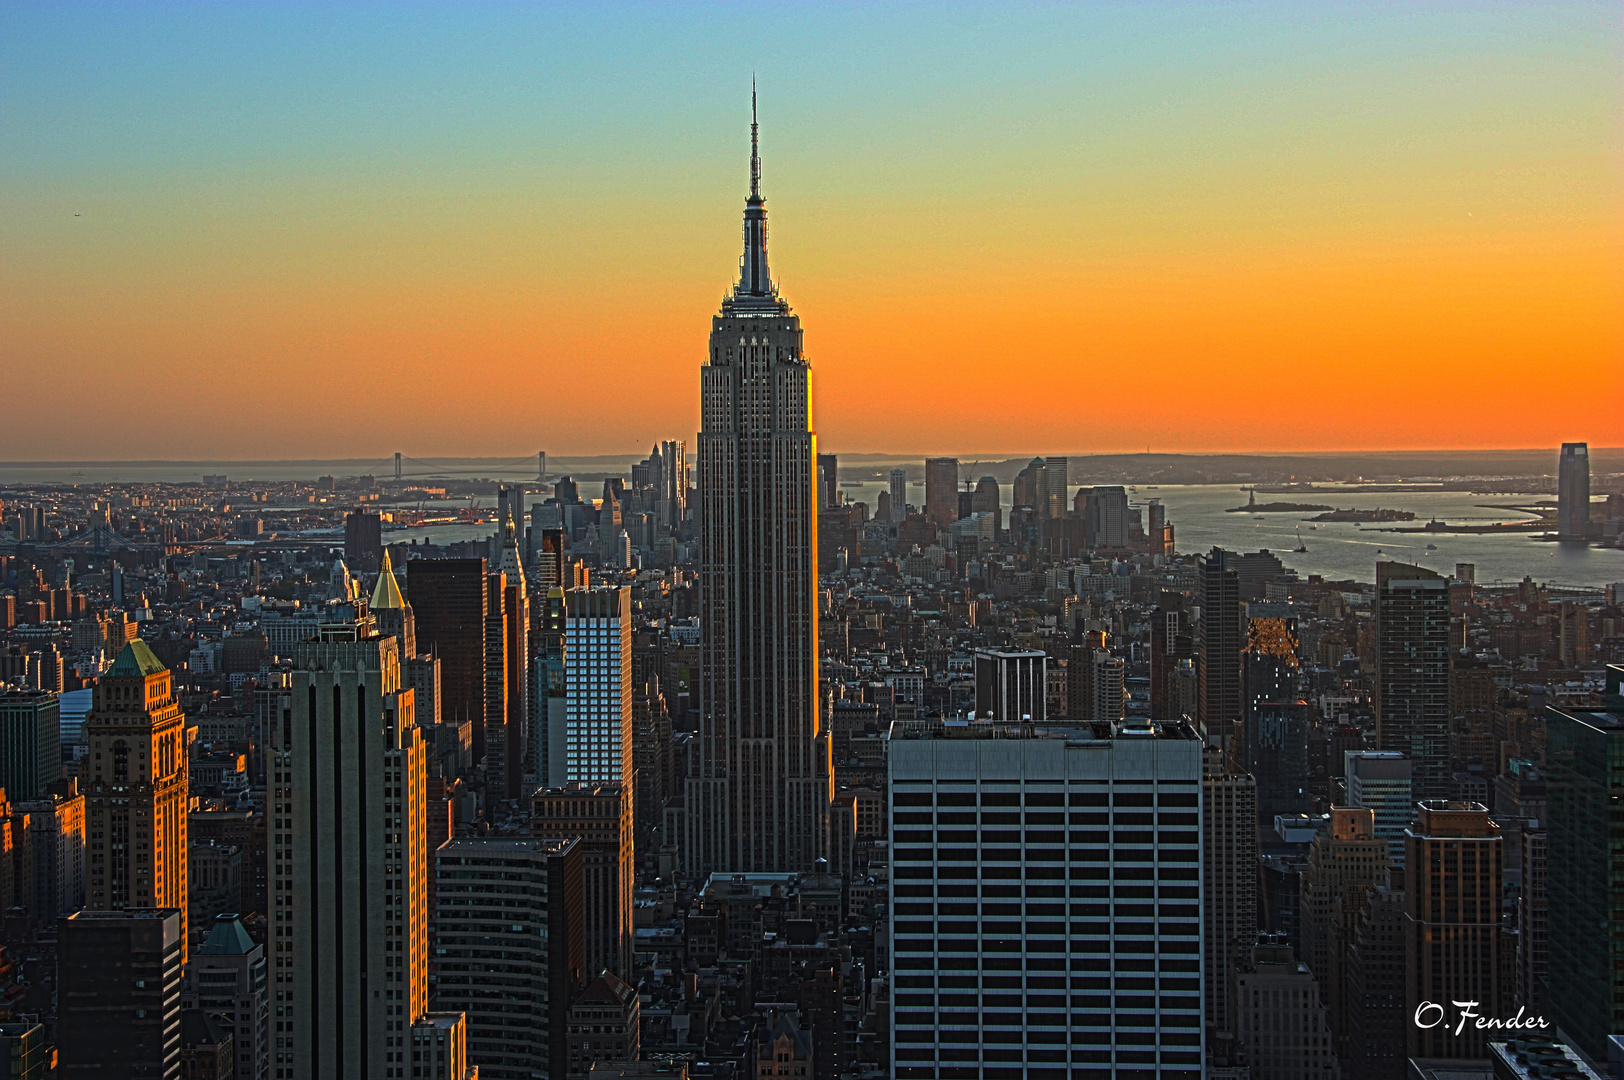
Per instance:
(759,799)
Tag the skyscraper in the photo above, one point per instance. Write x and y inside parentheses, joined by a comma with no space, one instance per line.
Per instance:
(759,797)
(1412,672)
(600,817)
(349,863)
(363,540)
(598,686)
(828,480)
(1585,780)
(673,484)
(1223,638)
(1229,878)
(136,800)
(30,741)
(392,612)
(1052,497)
(942,490)
(1573,491)
(899,495)
(1453,876)
(449,602)
(118,992)
(988,500)
(983,942)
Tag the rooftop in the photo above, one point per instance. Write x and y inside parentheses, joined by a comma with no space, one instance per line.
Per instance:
(136,659)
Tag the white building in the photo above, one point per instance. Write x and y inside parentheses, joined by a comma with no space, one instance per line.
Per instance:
(598,685)
(1047,894)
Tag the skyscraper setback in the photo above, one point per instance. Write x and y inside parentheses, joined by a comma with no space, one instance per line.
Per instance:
(759,799)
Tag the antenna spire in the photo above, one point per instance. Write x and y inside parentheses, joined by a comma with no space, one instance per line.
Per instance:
(755,154)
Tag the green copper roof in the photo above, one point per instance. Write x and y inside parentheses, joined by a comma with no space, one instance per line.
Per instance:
(228,938)
(136,659)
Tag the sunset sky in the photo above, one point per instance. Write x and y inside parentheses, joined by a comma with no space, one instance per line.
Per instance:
(301,230)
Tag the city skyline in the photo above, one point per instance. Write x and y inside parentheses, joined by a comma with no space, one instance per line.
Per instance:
(1335,202)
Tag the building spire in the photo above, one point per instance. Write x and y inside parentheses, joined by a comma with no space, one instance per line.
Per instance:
(755,152)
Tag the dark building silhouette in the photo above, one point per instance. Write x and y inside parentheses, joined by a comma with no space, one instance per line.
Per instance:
(363,541)
(118,993)
(1412,673)
(1223,638)
(448,599)
(1573,491)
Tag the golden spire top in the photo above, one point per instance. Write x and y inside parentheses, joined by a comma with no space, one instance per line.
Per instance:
(386,595)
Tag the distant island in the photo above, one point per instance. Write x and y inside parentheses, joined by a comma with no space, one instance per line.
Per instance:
(1276,508)
(1377,514)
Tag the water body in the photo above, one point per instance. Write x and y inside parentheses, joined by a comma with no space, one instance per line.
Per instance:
(1341,550)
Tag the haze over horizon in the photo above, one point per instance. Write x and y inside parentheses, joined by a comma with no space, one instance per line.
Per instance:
(1205,228)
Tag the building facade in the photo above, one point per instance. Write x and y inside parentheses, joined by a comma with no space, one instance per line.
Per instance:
(118,992)
(136,798)
(598,686)
(30,741)
(1047,900)
(1412,672)
(1573,491)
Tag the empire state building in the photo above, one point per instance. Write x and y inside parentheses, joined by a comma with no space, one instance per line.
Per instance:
(760,801)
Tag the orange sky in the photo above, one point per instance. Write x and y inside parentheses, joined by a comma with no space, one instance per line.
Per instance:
(1342,232)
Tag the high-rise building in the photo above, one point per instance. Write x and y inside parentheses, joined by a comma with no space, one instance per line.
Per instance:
(1573,491)
(1229,880)
(1346,862)
(1412,672)
(30,741)
(942,490)
(118,992)
(986,499)
(516,663)
(1170,642)
(1096,685)
(828,480)
(598,685)
(49,833)
(1374,987)
(1105,519)
(1380,780)
(600,816)
(449,602)
(349,862)
(1281,1023)
(136,797)
(603,1027)
(992,831)
(508,948)
(673,484)
(392,612)
(227,978)
(758,799)
(363,540)
(1052,488)
(899,495)
(1454,945)
(549,760)
(1223,640)
(1273,741)
(1584,754)
(1011,685)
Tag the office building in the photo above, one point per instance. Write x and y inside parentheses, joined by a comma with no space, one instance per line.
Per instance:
(1373,989)
(1105,518)
(118,992)
(1273,741)
(1412,672)
(603,1026)
(828,480)
(1281,1026)
(993,830)
(899,495)
(30,746)
(508,948)
(1229,880)
(1573,492)
(987,499)
(1223,640)
(598,686)
(942,490)
(758,797)
(1584,753)
(50,836)
(1346,862)
(349,862)
(23,1050)
(393,614)
(227,979)
(548,755)
(1453,943)
(498,656)
(363,541)
(672,488)
(450,604)
(1010,685)
(136,797)
(1379,780)
(1096,686)
(600,817)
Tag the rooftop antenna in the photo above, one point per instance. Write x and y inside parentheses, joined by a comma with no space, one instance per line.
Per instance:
(755,156)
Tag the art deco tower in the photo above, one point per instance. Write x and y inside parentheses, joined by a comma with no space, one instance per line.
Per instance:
(760,801)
